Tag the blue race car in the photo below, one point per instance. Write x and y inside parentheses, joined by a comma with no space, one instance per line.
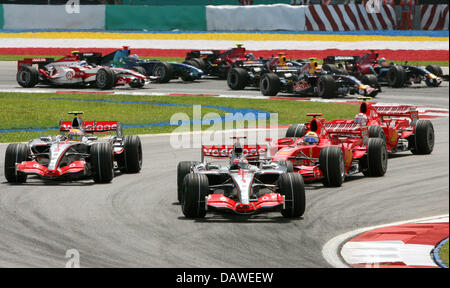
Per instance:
(163,71)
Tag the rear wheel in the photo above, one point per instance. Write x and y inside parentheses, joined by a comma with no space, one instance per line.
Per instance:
(332,165)
(376,158)
(28,76)
(396,76)
(292,187)
(195,190)
(326,86)
(164,72)
(270,84)
(183,169)
(296,131)
(371,80)
(140,70)
(424,137)
(15,153)
(237,78)
(105,79)
(377,132)
(331,68)
(131,157)
(102,162)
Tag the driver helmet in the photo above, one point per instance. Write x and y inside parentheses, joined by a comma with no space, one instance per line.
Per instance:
(241,163)
(311,138)
(134,56)
(282,58)
(382,61)
(75,135)
(361,119)
(83,63)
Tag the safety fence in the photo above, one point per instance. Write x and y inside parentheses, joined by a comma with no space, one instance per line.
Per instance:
(277,17)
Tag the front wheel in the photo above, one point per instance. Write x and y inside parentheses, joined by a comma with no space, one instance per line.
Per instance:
(15,153)
(102,162)
(376,158)
(105,79)
(292,187)
(332,165)
(183,169)
(164,72)
(423,138)
(270,84)
(326,86)
(195,190)
(237,78)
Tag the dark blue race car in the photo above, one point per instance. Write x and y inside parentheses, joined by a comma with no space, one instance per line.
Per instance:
(163,71)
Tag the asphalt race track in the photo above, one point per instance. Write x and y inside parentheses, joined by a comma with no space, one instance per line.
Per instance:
(136,221)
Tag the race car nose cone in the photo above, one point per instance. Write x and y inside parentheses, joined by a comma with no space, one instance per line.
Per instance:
(244,208)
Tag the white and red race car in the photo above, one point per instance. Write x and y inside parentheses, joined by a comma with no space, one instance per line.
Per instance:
(72,70)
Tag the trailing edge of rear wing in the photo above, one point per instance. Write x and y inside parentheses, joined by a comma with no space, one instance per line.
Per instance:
(94,126)
(397,111)
(225,151)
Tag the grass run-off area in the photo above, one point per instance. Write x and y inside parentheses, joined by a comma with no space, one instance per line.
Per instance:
(24,111)
(180,59)
(444,253)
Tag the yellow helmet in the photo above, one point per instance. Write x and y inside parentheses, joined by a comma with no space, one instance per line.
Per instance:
(75,135)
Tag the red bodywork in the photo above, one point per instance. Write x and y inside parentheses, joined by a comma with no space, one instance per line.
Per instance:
(350,137)
(398,122)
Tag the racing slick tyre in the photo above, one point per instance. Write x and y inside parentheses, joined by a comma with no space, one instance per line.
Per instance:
(195,190)
(237,78)
(183,169)
(396,76)
(130,161)
(270,84)
(376,158)
(423,137)
(296,131)
(15,153)
(331,68)
(377,132)
(28,76)
(199,63)
(292,187)
(105,79)
(332,165)
(326,86)
(435,69)
(102,162)
(163,71)
(371,80)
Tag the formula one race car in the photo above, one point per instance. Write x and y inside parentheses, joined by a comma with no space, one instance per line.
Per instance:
(330,151)
(71,70)
(215,62)
(250,72)
(162,71)
(310,79)
(75,154)
(391,74)
(399,126)
(246,185)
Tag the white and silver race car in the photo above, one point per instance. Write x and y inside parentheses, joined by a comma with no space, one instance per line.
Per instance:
(247,184)
(72,70)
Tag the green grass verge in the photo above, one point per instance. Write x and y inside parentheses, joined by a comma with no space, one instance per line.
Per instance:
(444,253)
(181,59)
(26,110)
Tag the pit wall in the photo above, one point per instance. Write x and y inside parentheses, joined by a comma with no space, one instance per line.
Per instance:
(190,17)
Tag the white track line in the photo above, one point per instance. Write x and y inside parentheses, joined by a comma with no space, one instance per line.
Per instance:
(331,250)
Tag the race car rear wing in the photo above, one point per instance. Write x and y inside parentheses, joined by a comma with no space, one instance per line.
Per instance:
(94,126)
(353,129)
(338,59)
(41,62)
(225,151)
(90,57)
(201,53)
(397,111)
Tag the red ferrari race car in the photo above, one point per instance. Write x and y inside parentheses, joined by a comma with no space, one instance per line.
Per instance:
(72,71)
(215,62)
(399,126)
(248,183)
(75,154)
(330,151)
